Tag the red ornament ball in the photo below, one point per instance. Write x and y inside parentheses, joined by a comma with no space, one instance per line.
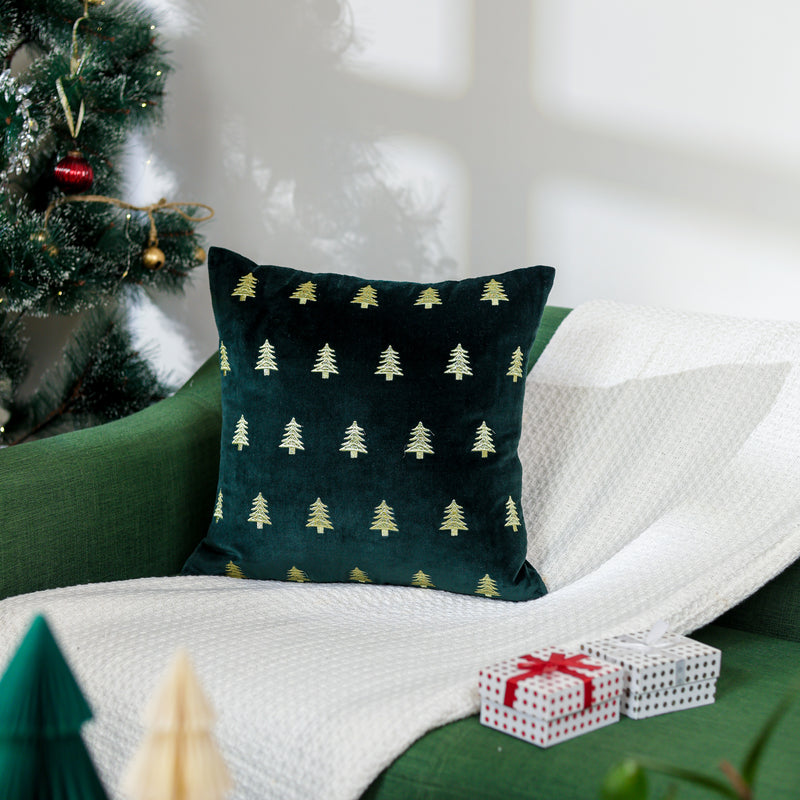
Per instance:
(73,173)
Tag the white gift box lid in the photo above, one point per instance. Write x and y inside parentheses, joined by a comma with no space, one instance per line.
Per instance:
(550,683)
(654,663)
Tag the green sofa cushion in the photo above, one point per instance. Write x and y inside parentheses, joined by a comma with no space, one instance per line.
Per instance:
(370,428)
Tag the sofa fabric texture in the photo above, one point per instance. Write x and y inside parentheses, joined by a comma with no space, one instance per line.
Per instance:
(370,428)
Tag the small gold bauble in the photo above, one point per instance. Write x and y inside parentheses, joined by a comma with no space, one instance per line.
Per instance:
(153,257)
(199,254)
(52,251)
(39,236)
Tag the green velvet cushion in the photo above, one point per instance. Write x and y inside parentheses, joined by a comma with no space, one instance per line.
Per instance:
(370,428)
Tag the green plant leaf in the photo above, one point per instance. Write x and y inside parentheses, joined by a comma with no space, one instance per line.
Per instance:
(699,778)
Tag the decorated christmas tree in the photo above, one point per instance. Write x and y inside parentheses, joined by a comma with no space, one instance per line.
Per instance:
(79,79)
(42,709)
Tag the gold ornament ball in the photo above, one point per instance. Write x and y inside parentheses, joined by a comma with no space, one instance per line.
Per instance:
(39,236)
(153,257)
(52,251)
(199,254)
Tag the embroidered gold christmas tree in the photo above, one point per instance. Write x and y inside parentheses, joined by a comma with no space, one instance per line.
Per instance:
(389,365)
(459,363)
(353,440)
(246,287)
(487,587)
(233,570)
(224,364)
(218,508)
(384,519)
(512,517)
(493,291)
(297,575)
(428,297)
(366,296)
(359,575)
(259,512)
(266,358)
(420,441)
(318,517)
(326,361)
(240,434)
(305,292)
(515,370)
(483,440)
(454,519)
(422,580)
(292,437)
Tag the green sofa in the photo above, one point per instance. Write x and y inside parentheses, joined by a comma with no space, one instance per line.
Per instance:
(132,498)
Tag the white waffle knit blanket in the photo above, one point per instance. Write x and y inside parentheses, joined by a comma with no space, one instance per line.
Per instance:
(662,480)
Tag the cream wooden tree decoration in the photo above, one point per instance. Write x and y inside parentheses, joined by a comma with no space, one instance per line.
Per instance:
(178,758)
(246,287)
(512,517)
(233,570)
(493,291)
(305,292)
(218,508)
(296,575)
(224,364)
(454,519)
(420,441)
(240,434)
(487,587)
(266,358)
(515,370)
(428,298)
(366,296)
(483,440)
(384,519)
(353,440)
(459,363)
(259,512)
(359,575)
(389,365)
(422,580)
(319,517)
(292,437)
(326,361)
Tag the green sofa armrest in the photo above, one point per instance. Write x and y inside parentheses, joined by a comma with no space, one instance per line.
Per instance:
(123,500)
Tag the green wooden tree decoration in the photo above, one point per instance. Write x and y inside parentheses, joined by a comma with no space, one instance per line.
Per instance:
(246,287)
(515,369)
(266,358)
(318,517)
(259,512)
(353,440)
(459,363)
(420,441)
(366,296)
(384,519)
(218,508)
(240,434)
(292,437)
(42,709)
(326,361)
(389,365)
(493,291)
(428,298)
(305,292)
(224,363)
(454,519)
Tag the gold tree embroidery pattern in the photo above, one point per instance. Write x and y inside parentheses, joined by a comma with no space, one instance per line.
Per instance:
(428,298)
(305,292)
(266,358)
(366,296)
(318,517)
(259,512)
(422,580)
(246,287)
(389,364)
(292,437)
(454,519)
(297,575)
(384,519)
(326,361)
(487,587)
(233,570)
(359,575)
(353,440)
(218,508)
(420,441)
(515,370)
(240,434)
(459,363)
(512,517)
(483,440)
(224,364)
(493,290)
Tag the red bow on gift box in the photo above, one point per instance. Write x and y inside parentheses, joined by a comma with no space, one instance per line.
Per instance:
(557,662)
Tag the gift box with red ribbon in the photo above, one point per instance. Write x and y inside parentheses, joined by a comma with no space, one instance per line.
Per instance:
(663,671)
(547,696)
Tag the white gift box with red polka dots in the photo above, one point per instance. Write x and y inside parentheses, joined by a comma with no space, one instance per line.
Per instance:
(662,674)
(547,697)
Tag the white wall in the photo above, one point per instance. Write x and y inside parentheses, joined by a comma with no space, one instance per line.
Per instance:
(650,151)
